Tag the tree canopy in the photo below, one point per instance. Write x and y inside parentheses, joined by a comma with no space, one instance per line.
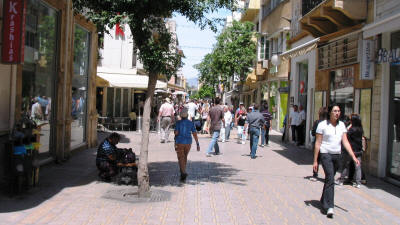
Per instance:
(233,54)
(157,51)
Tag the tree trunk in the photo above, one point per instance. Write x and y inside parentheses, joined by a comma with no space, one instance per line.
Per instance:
(143,171)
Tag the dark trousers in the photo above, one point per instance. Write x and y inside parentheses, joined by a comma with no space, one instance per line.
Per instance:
(330,164)
(294,128)
(132,125)
(266,135)
(300,134)
(284,133)
(107,169)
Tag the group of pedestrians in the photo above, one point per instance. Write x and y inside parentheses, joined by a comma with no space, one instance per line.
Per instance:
(336,144)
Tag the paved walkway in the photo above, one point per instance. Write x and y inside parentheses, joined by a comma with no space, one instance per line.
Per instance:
(225,189)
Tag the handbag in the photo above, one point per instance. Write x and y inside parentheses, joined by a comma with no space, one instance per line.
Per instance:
(364,143)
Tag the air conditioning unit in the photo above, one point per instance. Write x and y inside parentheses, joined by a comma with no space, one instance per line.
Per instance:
(265,64)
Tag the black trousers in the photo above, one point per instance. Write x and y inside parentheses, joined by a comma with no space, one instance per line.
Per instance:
(267,135)
(294,128)
(300,134)
(330,164)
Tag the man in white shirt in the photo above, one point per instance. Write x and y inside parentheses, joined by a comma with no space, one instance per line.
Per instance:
(301,126)
(192,107)
(294,121)
(166,118)
(36,111)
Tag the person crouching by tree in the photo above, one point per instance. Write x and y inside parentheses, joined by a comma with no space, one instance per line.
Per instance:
(184,129)
(106,157)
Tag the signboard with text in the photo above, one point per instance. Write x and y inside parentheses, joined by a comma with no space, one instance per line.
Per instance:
(367,64)
(13,31)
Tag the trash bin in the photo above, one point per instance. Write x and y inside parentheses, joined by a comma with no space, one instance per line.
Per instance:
(139,120)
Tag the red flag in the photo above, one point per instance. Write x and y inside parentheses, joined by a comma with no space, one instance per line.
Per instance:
(118,30)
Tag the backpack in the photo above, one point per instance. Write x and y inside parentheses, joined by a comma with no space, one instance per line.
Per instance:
(126,156)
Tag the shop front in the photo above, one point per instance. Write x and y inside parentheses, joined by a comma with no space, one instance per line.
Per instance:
(384,35)
(53,83)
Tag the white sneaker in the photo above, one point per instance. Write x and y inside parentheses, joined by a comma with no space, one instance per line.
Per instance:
(356,185)
(208,155)
(243,142)
(330,213)
(223,141)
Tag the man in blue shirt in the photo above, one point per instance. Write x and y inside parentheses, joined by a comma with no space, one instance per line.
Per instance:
(106,157)
(184,129)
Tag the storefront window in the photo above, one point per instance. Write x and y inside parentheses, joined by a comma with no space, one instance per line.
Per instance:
(39,70)
(80,85)
(318,103)
(365,111)
(394,116)
(303,79)
(342,89)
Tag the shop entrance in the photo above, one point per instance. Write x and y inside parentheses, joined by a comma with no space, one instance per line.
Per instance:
(394,121)
(39,70)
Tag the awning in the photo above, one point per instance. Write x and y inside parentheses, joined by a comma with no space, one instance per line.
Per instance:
(128,81)
(386,25)
(300,50)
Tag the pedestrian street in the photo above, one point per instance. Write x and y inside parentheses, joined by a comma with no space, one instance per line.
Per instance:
(230,188)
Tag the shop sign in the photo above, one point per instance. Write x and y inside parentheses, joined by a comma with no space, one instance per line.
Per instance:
(388,56)
(13,31)
(283,89)
(367,65)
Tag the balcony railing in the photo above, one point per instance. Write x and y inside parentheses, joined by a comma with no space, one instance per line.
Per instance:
(270,6)
(309,5)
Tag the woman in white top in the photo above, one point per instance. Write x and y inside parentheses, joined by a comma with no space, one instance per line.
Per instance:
(329,136)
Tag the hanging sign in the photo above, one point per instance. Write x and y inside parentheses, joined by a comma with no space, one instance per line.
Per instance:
(368,64)
(13,31)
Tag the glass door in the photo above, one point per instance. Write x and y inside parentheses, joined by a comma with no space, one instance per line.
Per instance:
(394,121)
(40,69)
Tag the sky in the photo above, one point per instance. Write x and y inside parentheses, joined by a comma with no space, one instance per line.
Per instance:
(195,43)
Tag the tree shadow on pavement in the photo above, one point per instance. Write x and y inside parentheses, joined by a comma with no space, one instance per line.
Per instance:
(167,173)
(78,171)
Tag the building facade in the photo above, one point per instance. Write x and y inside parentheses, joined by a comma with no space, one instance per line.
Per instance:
(57,70)
(382,34)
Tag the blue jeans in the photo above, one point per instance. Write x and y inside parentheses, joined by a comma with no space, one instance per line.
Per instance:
(254,135)
(262,136)
(227,132)
(214,142)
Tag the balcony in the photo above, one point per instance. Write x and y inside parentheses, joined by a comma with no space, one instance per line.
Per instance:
(250,11)
(330,16)
(309,5)
(269,7)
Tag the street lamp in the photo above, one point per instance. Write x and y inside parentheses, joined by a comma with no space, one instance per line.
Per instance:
(275,60)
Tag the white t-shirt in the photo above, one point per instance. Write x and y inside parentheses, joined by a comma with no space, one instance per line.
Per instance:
(192,107)
(295,118)
(302,116)
(331,137)
(228,118)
